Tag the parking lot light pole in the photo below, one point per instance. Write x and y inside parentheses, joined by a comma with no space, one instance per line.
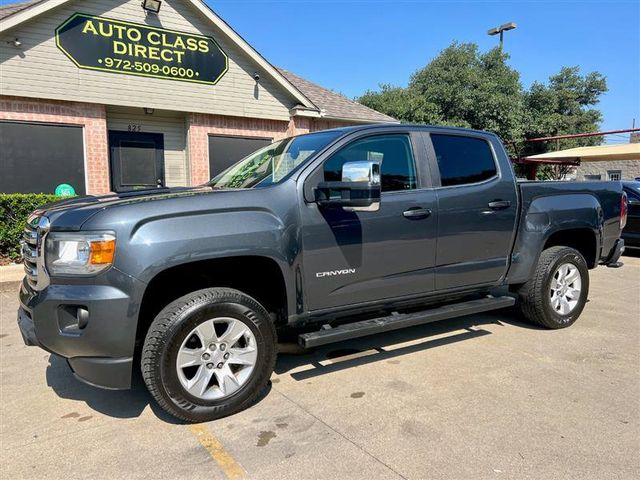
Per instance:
(500,30)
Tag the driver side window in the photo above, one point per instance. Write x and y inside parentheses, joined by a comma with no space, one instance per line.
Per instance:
(397,166)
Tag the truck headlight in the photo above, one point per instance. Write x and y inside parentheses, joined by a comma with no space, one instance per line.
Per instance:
(79,253)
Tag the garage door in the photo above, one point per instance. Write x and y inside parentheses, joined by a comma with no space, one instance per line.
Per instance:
(35,158)
(224,151)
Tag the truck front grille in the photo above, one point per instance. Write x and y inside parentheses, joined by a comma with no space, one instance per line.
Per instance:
(32,236)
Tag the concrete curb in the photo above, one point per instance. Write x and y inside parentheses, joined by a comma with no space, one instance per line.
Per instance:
(11,273)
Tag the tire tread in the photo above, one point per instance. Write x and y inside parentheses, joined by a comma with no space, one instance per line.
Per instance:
(159,334)
(532,294)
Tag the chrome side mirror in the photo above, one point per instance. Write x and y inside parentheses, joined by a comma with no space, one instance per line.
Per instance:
(358,191)
(366,172)
(361,172)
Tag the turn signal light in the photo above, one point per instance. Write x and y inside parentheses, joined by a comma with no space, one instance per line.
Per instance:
(102,252)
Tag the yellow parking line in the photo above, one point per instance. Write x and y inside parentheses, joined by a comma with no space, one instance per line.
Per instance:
(232,469)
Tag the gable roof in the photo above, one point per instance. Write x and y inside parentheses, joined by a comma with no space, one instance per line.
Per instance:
(21,15)
(334,105)
(314,100)
(7,10)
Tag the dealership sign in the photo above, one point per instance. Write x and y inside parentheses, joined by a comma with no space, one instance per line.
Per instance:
(98,43)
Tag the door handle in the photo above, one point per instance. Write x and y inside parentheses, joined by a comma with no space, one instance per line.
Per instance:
(416,213)
(499,204)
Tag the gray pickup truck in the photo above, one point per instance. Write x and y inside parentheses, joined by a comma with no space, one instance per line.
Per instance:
(332,235)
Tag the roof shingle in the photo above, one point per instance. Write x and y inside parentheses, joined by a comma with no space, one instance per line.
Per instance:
(334,105)
(10,9)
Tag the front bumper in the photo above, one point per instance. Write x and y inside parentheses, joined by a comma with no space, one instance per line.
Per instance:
(27,328)
(92,326)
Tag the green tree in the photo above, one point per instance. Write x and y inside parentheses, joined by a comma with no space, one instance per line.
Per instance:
(563,107)
(402,103)
(468,88)
(460,87)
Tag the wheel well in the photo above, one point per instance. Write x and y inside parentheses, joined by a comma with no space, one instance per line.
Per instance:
(258,277)
(582,239)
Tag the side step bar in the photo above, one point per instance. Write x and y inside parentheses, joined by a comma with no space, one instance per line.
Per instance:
(397,321)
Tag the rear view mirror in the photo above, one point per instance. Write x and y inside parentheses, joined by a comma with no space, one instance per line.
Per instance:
(359,189)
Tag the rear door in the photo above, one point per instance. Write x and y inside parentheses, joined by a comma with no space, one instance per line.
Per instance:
(477,208)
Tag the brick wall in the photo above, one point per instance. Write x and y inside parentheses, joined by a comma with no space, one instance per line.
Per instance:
(201,126)
(92,117)
(630,169)
(300,125)
(327,124)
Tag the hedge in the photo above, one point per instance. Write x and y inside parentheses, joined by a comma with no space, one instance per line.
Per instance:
(14,210)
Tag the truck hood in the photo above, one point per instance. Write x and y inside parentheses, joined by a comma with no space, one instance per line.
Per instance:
(71,214)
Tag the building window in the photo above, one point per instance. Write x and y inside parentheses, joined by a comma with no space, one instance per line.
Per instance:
(225,151)
(614,175)
(592,178)
(35,158)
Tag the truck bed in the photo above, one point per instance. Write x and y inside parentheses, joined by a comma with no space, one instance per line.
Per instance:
(546,207)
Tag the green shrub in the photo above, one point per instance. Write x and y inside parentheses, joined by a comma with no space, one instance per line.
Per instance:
(14,210)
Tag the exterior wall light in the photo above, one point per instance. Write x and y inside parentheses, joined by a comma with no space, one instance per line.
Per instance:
(15,42)
(148,111)
(152,6)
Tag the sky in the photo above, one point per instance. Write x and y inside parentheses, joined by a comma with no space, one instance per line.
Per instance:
(353,46)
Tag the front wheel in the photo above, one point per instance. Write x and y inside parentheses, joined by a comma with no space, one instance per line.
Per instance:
(209,354)
(557,293)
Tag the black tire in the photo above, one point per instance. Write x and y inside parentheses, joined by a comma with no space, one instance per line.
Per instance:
(535,301)
(168,331)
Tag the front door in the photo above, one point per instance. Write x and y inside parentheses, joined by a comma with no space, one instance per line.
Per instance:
(366,256)
(137,160)
(477,208)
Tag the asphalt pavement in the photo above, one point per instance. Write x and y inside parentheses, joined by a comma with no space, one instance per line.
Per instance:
(483,396)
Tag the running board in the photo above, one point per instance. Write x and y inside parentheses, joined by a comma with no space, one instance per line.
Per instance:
(396,321)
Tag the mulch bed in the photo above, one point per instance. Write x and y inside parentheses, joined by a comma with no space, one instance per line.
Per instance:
(5,261)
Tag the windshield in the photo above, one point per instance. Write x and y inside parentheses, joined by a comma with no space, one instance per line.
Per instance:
(272,163)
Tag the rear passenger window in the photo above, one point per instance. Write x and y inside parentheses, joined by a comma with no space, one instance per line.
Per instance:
(463,159)
(397,167)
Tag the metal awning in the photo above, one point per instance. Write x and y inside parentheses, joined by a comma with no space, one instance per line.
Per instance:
(601,153)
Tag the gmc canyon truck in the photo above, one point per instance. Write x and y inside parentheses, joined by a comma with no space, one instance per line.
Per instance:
(334,235)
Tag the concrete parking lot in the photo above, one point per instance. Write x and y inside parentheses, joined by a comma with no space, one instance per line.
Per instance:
(484,396)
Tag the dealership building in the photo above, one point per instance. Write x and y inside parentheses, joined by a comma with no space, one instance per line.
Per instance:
(114,95)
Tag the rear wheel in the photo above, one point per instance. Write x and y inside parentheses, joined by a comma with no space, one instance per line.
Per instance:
(209,354)
(557,293)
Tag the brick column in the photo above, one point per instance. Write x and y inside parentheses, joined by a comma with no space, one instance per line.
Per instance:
(299,125)
(302,125)
(92,117)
